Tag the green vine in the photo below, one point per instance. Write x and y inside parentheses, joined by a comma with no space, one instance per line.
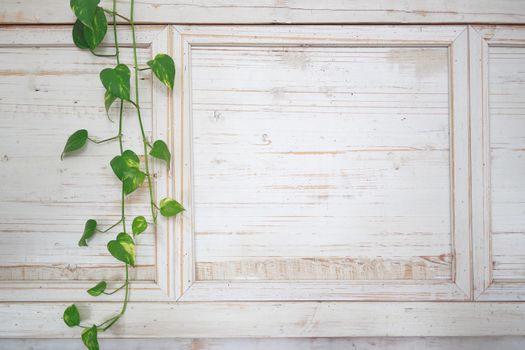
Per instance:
(89,31)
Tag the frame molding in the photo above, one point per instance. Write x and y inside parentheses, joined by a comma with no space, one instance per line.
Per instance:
(455,39)
(156,38)
(481,38)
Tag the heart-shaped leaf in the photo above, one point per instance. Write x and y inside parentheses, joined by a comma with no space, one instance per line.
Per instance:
(160,150)
(90,228)
(98,289)
(89,338)
(123,248)
(71,316)
(139,225)
(95,34)
(126,167)
(84,10)
(116,81)
(170,207)
(75,142)
(108,101)
(164,69)
(78,35)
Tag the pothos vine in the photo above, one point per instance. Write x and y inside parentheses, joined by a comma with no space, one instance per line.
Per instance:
(88,32)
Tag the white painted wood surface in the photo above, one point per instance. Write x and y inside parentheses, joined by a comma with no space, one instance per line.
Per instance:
(324,163)
(497,63)
(317,163)
(391,343)
(282,11)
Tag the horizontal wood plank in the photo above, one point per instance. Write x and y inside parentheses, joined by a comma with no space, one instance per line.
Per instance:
(274,319)
(283,11)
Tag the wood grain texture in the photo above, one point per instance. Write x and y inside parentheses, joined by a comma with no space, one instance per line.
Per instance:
(360,343)
(274,319)
(283,11)
(498,55)
(324,154)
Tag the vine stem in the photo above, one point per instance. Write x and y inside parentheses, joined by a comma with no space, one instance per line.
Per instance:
(137,106)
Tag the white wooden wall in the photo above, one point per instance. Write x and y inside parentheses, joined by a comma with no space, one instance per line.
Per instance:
(340,180)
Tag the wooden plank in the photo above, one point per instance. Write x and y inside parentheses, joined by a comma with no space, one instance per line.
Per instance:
(289,11)
(274,319)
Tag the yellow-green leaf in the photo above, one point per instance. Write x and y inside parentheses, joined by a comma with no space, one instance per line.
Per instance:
(78,35)
(160,150)
(75,142)
(164,69)
(98,289)
(90,228)
(108,101)
(123,248)
(95,34)
(139,225)
(71,316)
(126,168)
(116,81)
(84,10)
(89,338)
(170,207)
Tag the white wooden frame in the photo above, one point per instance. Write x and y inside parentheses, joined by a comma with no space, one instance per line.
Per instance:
(283,12)
(156,38)
(455,39)
(481,38)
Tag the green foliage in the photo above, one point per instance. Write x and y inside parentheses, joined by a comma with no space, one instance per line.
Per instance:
(160,151)
(71,316)
(116,81)
(170,207)
(164,69)
(88,32)
(89,338)
(98,289)
(108,101)
(75,142)
(127,168)
(123,248)
(139,225)
(84,10)
(90,228)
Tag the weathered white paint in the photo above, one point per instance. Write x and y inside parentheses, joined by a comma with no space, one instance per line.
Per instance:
(497,63)
(391,343)
(50,89)
(234,112)
(336,156)
(282,11)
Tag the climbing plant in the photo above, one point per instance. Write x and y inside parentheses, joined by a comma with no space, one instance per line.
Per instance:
(88,32)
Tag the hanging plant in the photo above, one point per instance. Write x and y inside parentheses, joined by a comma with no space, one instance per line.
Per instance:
(88,32)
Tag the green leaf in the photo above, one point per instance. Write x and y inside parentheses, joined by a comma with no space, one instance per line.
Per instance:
(84,10)
(160,151)
(75,142)
(90,228)
(89,338)
(71,316)
(123,248)
(98,289)
(116,81)
(164,69)
(95,34)
(170,207)
(108,101)
(139,225)
(78,35)
(126,167)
